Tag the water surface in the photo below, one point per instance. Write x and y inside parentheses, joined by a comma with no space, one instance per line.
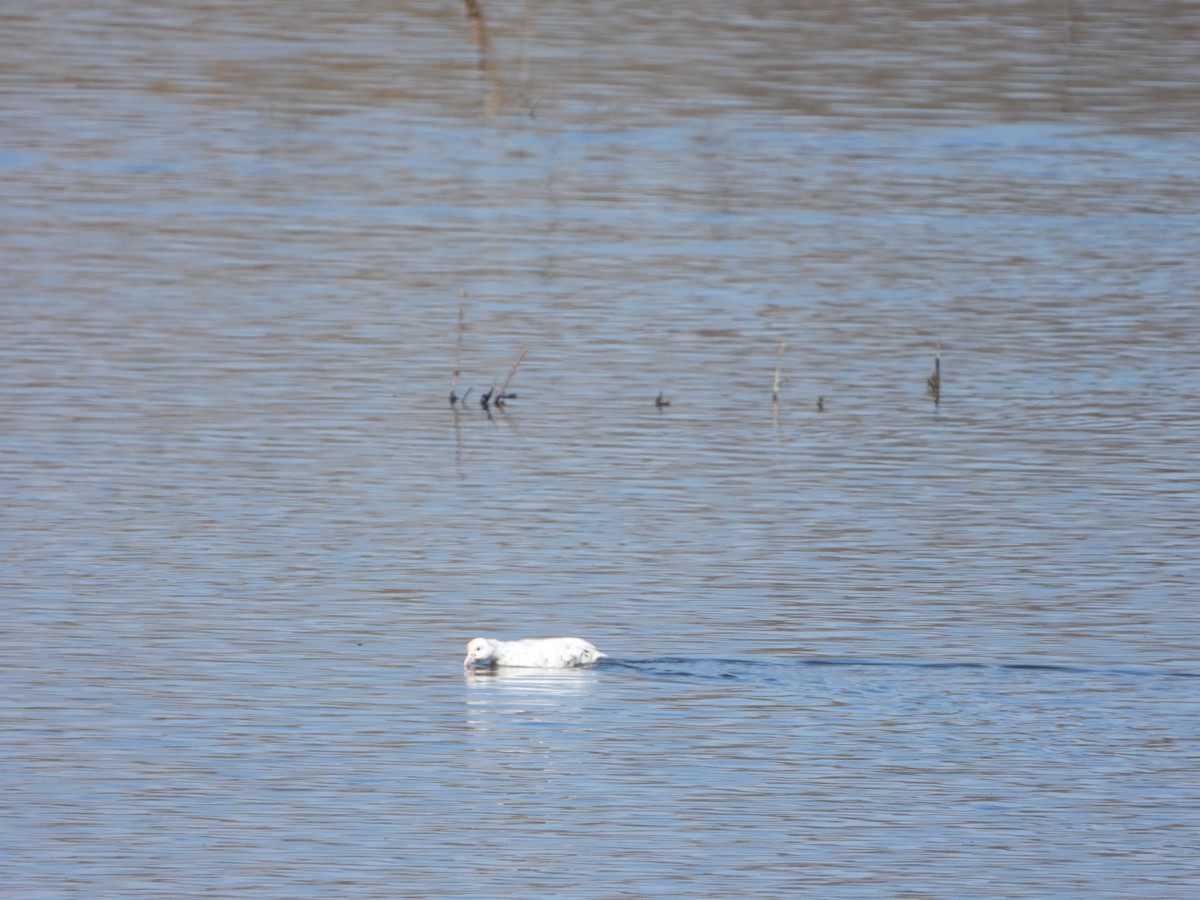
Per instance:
(892,646)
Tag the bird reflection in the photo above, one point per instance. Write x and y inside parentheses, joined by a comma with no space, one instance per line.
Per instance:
(533,681)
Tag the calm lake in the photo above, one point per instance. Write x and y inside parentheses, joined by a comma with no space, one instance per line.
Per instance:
(864,640)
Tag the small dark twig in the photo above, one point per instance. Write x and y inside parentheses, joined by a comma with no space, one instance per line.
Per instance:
(933,384)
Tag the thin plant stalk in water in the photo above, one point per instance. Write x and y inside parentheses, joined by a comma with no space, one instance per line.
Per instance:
(934,382)
(504,394)
(778,372)
(462,296)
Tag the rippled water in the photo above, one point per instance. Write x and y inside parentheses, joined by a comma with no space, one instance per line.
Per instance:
(885,647)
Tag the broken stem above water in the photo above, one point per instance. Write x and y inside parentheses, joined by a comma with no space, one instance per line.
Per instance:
(503,393)
(778,372)
(462,297)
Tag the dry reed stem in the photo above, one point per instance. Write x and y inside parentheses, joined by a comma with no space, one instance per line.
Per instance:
(479,31)
(934,382)
(778,372)
(511,372)
(462,297)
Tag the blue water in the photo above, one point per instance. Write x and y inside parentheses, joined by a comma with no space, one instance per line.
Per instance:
(896,645)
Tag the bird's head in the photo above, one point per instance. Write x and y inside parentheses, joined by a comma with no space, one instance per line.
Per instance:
(479,650)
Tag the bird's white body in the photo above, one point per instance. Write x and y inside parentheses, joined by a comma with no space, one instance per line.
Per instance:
(532,653)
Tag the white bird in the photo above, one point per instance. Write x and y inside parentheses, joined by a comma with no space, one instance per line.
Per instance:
(532,653)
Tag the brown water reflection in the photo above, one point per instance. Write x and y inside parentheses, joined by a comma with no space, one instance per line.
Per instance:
(244,536)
